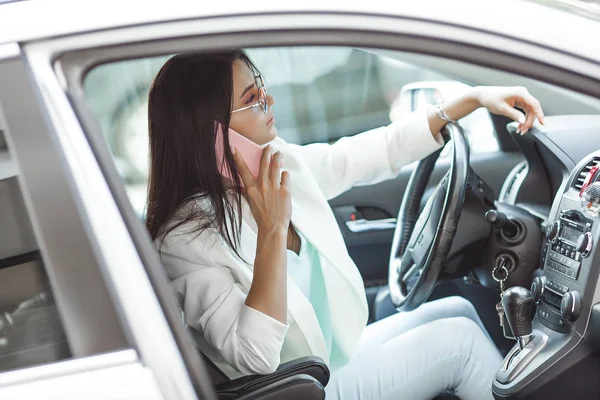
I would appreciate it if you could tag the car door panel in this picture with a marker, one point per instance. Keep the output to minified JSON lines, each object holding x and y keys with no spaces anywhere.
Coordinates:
{"x":370,"y":249}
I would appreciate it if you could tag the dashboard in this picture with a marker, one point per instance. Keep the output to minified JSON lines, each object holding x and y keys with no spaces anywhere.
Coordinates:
{"x":560,"y":165}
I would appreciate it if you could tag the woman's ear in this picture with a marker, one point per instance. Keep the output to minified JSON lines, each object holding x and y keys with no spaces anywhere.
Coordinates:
{"x":221,"y":158}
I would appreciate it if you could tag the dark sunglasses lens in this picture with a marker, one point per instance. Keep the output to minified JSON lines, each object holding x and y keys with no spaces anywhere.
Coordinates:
{"x":262,"y":93}
{"x":263,"y":100}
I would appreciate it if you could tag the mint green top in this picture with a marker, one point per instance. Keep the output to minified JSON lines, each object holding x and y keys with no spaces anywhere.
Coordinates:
{"x":305,"y":270}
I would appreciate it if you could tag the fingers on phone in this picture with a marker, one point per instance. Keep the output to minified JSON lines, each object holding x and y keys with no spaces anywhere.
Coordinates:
{"x":265,"y":161}
{"x":285,"y":180}
{"x":275,"y":168}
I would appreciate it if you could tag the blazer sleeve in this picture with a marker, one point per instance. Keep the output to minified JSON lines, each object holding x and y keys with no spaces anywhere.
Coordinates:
{"x":370,"y":157}
{"x":214,"y":304}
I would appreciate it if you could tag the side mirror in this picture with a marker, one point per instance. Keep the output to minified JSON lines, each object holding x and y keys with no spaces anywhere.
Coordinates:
{"x":417,"y":95}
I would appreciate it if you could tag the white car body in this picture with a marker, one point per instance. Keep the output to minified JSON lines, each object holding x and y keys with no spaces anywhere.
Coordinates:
{"x":41,"y":32}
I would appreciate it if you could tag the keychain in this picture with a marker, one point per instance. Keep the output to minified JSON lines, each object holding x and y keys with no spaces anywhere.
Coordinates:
{"x":501,"y":267}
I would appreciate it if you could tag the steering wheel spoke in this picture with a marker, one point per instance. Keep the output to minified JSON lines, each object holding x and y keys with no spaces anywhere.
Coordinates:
{"x":410,"y":277}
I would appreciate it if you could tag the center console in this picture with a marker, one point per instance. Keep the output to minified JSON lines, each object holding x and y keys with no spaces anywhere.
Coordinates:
{"x":558,"y":292}
{"x":564,"y":294}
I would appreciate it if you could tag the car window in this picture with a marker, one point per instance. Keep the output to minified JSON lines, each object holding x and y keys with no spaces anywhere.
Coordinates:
{"x":322,"y":94}
{"x":31,"y":331}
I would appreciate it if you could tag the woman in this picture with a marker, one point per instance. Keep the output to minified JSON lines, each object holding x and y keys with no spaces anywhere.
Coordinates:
{"x":259,"y":263}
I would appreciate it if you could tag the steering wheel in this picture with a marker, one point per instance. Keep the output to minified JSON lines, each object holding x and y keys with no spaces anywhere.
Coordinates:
{"x":421,"y":245}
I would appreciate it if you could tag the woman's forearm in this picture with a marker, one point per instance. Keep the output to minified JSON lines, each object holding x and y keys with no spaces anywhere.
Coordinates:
{"x":268,"y":292}
{"x":497,"y":100}
{"x":455,"y":109}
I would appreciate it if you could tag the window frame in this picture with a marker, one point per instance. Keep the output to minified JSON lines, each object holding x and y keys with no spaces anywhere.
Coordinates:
{"x":96,"y":226}
{"x":101,"y":351}
{"x":91,"y":323}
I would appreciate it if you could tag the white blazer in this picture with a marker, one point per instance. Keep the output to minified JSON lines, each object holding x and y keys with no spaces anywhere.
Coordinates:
{"x":212,"y":283}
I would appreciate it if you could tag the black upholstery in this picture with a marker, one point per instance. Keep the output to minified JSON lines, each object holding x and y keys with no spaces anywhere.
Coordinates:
{"x":302,"y":368}
{"x":297,"y":387}
{"x":303,"y":378}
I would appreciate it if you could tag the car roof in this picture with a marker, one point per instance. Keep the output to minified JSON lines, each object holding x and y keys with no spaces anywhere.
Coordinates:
{"x":32,"y":20}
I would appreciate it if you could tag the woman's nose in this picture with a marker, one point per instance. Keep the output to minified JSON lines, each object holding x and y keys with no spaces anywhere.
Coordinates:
{"x":270,"y":100}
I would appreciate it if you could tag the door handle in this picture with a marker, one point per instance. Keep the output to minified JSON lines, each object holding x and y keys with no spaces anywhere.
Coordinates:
{"x":366,"y":225}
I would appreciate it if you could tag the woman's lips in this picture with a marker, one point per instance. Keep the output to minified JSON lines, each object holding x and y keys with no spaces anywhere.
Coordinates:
{"x":271,"y":121}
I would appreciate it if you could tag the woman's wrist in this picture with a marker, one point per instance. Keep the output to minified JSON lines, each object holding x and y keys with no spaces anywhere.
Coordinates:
{"x":475,"y":95}
{"x":454,"y":109}
{"x":273,"y":230}
{"x":463,"y":105}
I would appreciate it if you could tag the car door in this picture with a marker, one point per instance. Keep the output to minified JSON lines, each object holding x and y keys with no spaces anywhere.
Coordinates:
{"x":71,"y":325}
{"x":147,"y":41}
{"x":59,"y":326}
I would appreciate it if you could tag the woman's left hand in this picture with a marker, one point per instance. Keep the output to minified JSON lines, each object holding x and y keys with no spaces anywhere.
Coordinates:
{"x":502,"y":100}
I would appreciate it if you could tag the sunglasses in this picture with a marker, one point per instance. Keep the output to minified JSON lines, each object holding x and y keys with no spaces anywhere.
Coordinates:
{"x":262,"y":97}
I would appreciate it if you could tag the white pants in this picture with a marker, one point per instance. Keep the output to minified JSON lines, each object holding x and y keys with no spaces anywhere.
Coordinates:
{"x":441,"y":346}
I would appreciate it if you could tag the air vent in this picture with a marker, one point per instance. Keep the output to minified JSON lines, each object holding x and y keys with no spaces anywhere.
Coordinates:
{"x":578,"y":183}
{"x":513,"y":182}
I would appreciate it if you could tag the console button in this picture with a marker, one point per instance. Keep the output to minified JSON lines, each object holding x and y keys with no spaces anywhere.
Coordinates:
{"x":570,"y":263}
{"x":567,"y":262}
{"x":552,"y":231}
{"x":562,"y":269}
{"x":554,"y":317}
{"x":584,"y":244}
{"x":538,"y":287}
{"x":570,"y":305}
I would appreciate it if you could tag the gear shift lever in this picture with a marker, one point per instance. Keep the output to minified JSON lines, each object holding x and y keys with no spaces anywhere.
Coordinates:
{"x":517,"y":303}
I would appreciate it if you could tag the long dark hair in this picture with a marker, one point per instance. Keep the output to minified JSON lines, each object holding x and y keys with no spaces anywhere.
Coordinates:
{"x":190,"y":93}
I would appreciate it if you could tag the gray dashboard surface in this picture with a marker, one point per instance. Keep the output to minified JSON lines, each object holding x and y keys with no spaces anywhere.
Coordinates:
{"x":576,"y":135}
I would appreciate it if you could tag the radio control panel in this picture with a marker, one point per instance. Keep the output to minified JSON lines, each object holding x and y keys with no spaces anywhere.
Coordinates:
{"x":556,"y":293}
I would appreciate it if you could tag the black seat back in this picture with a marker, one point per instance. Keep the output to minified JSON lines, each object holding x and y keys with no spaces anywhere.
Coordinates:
{"x":305,"y":377}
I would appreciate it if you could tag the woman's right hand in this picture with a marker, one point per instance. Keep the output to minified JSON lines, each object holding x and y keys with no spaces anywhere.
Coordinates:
{"x":269,"y":193}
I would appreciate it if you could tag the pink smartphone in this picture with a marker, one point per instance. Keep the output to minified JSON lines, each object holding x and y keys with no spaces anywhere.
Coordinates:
{"x":250,"y":151}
